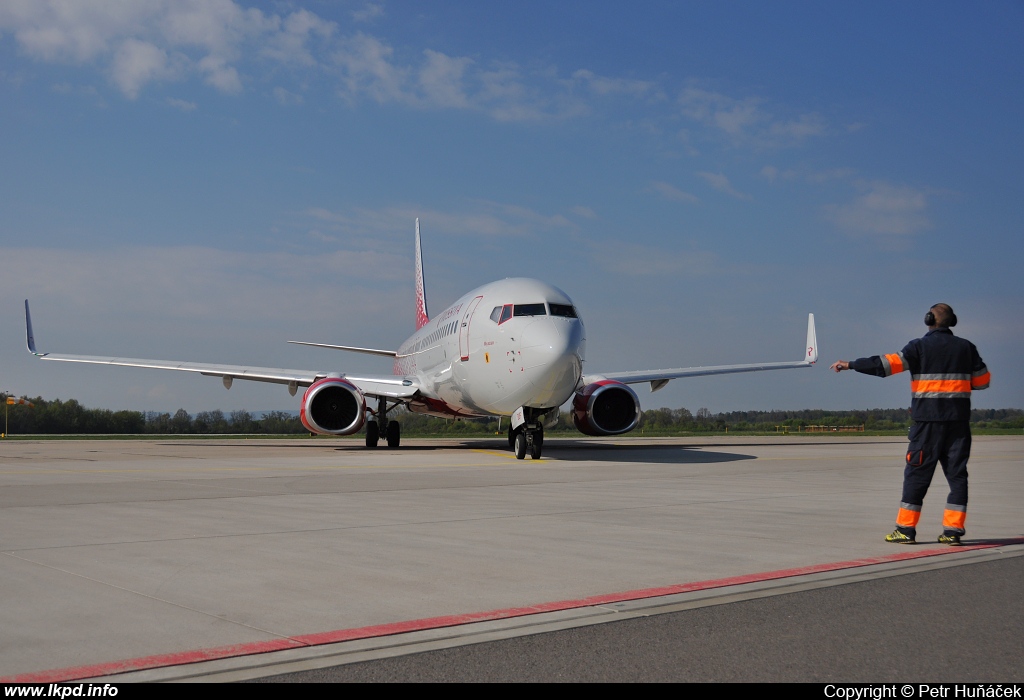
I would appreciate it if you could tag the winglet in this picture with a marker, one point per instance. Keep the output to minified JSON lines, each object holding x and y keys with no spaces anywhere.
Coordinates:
{"x":421,"y":296}
{"x":30,"y":338}
{"x":811,"y":355}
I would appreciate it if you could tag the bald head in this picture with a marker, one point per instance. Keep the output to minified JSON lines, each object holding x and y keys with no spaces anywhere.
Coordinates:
{"x":941,"y":316}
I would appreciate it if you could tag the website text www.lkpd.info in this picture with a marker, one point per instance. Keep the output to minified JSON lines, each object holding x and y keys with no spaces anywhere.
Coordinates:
{"x":61,"y":690}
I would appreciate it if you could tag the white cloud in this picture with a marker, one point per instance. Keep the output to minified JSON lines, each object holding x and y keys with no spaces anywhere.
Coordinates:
{"x":220,"y":75}
{"x":227,"y":44}
{"x":721,"y":183}
{"x":672,"y":192}
{"x":183,"y":105}
{"x":772,"y":173}
{"x":441,"y":79}
{"x":746,"y":120}
{"x":585,"y":212}
{"x":629,"y":258}
{"x":380,"y":228}
{"x":883,"y":209}
{"x":216,"y":26}
{"x":136,"y":63}
{"x":138,"y":280}
{"x":291,"y":43}
{"x":142,"y":41}
{"x":801,"y":127}
{"x":70,"y":31}
{"x":286,"y":97}
{"x":732,"y":116}
{"x":369,"y":67}
{"x":370,"y":12}
{"x":819,"y":176}
{"x":602,"y":85}
{"x":366,"y":67}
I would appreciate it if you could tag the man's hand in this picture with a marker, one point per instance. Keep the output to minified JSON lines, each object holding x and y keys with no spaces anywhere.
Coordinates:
{"x":840,"y":366}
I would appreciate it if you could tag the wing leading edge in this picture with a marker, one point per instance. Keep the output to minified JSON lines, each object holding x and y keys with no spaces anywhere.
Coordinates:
{"x":660,"y":377}
{"x":397,"y":387}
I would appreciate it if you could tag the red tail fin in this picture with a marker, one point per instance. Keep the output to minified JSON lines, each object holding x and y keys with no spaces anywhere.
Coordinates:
{"x":421,"y":296}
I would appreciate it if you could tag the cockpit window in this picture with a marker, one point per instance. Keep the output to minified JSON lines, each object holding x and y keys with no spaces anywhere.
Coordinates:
{"x":500,"y":314}
{"x":565,"y":310}
{"x":530,"y":310}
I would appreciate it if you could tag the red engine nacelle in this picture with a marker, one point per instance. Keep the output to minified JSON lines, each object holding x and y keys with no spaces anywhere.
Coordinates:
{"x":605,"y":408}
{"x":333,"y":406}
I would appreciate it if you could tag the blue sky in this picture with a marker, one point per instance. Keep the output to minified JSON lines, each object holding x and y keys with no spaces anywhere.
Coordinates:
{"x":205,"y":180}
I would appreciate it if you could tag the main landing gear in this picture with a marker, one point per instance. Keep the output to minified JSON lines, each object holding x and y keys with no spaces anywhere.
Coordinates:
{"x":392,"y":433}
{"x":529,"y":437}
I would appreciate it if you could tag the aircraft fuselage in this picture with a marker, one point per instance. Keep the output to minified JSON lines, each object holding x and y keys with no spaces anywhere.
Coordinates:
{"x":511,"y":343}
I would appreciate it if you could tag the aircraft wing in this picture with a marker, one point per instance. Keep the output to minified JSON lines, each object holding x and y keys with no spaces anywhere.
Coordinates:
{"x":660,"y":377}
{"x":392,"y":386}
{"x":349,"y":348}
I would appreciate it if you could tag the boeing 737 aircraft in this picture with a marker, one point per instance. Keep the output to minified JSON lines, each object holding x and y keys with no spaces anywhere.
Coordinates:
{"x":509,"y":348}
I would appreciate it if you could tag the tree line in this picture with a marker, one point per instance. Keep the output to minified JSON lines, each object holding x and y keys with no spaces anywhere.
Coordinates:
{"x":57,"y":417}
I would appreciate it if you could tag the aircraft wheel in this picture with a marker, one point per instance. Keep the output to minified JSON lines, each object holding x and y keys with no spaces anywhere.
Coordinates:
{"x":520,"y":445}
{"x":394,"y":434}
{"x":372,"y":434}
{"x":511,"y":438}
{"x":538,"y":444}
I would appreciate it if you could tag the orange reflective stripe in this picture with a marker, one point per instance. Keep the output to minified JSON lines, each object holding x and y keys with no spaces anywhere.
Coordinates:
{"x":908,"y":518}
{"x":981,"y":381}
{"x":896,"y":363}
{"x":954,"y":519}
{"x":944,"y":386}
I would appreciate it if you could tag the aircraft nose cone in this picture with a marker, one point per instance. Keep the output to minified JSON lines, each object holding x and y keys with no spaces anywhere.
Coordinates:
{"x":552,"y":358}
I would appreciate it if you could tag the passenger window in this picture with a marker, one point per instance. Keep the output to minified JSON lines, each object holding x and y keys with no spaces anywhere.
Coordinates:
{"x":565,"y":310}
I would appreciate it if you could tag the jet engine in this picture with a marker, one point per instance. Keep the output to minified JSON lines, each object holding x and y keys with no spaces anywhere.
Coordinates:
{"x":333,"y":406}
{"x":605,"y":408}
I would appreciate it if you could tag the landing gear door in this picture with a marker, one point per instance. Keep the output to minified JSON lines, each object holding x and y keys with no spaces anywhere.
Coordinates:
{"x":464,"y":328}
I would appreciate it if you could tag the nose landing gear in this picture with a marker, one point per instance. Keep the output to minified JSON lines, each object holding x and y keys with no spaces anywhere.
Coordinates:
{"x":528,"y":437}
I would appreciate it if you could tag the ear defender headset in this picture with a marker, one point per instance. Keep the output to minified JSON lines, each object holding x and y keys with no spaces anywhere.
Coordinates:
{"x":929,"y":318}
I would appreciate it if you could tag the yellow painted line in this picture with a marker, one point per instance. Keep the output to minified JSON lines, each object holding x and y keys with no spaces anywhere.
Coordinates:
{"x":497,"y":453}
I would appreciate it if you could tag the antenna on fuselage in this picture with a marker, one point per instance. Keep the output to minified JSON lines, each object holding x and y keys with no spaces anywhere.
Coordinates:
{"x":422,"y":318}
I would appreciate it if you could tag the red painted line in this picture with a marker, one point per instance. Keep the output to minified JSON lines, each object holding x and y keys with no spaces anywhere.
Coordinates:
{"x":333,"y":637}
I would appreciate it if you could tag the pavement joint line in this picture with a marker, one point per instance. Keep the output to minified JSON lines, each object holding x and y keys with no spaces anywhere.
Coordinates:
{"x":331,"y":467}
{"x":345,"y":528}
{"x":183,"y":665}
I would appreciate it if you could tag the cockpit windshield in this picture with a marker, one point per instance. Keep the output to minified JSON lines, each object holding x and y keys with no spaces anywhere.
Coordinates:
{"x":529,"y":310}
{"x":565,"y":310}
{"x":500,"y":314}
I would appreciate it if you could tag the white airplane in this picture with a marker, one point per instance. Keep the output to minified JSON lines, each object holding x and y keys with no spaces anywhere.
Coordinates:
{"x":510,"y":348}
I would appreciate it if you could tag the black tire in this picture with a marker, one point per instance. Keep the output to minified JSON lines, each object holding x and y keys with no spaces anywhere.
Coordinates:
{"x":372,"y":434}
{"x":511,"y":438}
{"x":538,"y":445}
{"x":520,"y":445}
{"x":394,"y":434}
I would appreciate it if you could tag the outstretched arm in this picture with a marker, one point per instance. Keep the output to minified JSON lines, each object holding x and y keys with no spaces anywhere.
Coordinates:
{"x":877,"y":365}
